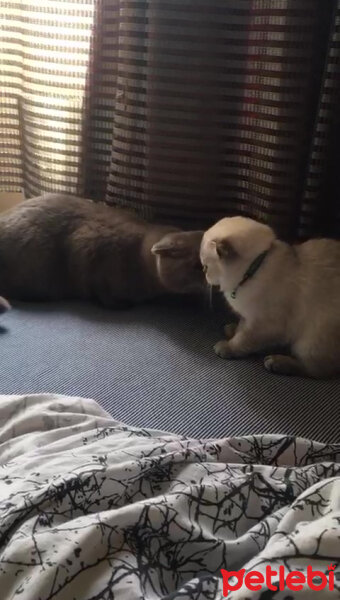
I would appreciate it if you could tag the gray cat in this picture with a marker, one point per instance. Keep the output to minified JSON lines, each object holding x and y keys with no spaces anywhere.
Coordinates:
{"x":61,"y":247}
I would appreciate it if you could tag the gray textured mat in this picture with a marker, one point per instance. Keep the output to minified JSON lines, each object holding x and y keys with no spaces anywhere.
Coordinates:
{"x":154,"y":367}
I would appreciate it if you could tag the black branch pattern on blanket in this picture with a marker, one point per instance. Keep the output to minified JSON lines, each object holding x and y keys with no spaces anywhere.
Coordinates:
{"x":111,"y":512}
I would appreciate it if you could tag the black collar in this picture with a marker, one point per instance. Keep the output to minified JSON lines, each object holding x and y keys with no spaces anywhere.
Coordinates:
{"x":250,"y":272}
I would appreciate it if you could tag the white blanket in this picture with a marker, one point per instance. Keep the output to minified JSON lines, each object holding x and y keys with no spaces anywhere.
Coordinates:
{"x":91,"y":509}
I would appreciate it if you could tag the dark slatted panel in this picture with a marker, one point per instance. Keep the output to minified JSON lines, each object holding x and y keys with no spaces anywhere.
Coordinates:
{"x":320,"y":209}
{"x":211,"y":108}
{"x":101,"y":98}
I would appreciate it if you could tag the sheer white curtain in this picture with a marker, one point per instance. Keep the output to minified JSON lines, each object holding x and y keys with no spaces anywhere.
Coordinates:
{"x":45,"y":49}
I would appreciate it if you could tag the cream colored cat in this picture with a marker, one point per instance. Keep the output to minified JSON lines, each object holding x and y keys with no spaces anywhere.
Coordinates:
{"x":286,"y":296}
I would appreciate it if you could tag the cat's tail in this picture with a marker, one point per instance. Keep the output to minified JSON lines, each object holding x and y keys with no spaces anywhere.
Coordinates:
{"x":4,"y":305}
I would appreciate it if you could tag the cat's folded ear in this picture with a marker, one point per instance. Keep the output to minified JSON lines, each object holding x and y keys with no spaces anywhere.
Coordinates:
{"x":178,"y":244}
{"x":166,"y":248}
{"x":225,"y":249}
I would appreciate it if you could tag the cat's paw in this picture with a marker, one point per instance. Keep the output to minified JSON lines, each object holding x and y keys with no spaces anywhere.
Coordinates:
{"x":230,"y":330}
{"x":270,"y":363}
{"x":223,"y":350}
{"x":283,"y":365}
{"x":4,"y":305}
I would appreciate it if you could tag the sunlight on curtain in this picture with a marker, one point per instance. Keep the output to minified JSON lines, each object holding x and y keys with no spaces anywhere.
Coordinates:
{"x":45,"y":52}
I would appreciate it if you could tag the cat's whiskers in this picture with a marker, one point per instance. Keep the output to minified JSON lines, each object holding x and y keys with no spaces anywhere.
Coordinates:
{"x":209,"y":293}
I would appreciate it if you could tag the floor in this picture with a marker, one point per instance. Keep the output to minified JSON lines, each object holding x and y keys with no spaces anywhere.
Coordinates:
{"x":154,"y":366}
